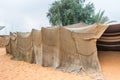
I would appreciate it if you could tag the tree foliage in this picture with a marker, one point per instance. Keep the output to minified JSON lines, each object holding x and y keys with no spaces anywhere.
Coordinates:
{"x":100,"y":18}
{"x":66,"y":12}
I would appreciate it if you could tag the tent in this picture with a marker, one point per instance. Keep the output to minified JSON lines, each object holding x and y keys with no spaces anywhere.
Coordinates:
{"x":25,"y":47}
{"x":64,"y":48}
{"x":12,"y":46}
{"x":36,"y":39}
{"x":50,"y":46}
{"x":110,"y":40}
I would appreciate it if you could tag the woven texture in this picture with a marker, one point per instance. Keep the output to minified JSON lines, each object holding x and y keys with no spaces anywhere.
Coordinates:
{"x":36,"y":38}
{"x":67,"y":49}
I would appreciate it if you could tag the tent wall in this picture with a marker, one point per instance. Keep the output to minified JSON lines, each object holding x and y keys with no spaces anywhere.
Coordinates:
{"x":87,"y":51}
{"x":13,"y":46}
{"x":69,"y":58}
{"x":25,"y":47}
{"x":36,"y":38}
{"x":110,"y":40}
{"x":8,"y":50}
{"x":50,"y":47}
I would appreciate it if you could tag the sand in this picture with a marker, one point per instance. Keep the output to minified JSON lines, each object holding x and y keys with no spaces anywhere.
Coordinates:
{"x":110,"y":63}
{"x":19,"y":70}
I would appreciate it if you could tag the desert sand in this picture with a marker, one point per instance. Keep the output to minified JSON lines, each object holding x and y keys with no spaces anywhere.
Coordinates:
{"x":110,"y":63}
{"x":19,"y":70}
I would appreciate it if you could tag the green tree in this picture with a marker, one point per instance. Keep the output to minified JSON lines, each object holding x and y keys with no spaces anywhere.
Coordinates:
{"x":100,"y":18}
{"x":66,"y":12}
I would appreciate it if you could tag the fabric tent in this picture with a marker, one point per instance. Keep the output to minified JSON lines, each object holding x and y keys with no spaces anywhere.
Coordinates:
{"x":36,"y":38}
{"x":1,"y":27}
{"x":68,"y":49}
{"x":78,"y":50}
{"x":110,"y":40}
{"x":72,"y":50}
{"x":78,"y":25}
{"x":25,"y":47}
{"x":13,"y":45}
{"x":50,"y":47}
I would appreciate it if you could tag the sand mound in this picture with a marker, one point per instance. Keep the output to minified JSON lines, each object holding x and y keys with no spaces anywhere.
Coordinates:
{"x":19,"y":70}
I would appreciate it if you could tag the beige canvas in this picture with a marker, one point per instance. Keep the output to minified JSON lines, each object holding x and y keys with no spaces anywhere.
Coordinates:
{"x":25,"y":47}
{"x":36,"y":38}
{"x":12,"y":46}
{"x":50,"y":47}
{"x":68,"y":49}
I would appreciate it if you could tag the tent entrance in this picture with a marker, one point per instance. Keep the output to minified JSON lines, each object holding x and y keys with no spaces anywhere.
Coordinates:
{"x":110,"y":40}
{"x":109,"y":51}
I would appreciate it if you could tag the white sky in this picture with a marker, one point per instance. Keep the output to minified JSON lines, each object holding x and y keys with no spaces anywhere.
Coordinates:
{"x":23,"y":15}
{"x":111,"y":8}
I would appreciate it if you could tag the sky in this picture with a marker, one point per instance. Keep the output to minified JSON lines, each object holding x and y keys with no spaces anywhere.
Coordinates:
{"x":23,"y":15}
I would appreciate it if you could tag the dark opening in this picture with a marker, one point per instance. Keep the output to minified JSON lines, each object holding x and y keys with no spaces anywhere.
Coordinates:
{"x":110,"y":40}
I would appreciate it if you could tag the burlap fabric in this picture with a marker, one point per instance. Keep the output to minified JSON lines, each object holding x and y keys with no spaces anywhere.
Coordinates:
{"x":25,"y":47}
{"x":67,"y":49}
{"x":36,"y":38}
{"x":13,"y":45}
{"x":50,"y":46}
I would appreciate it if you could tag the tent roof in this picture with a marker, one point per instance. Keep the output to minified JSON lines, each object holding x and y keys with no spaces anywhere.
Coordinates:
{"x":113,"y":28}
{"x":78,"y":25}
{"x":1,"y":27}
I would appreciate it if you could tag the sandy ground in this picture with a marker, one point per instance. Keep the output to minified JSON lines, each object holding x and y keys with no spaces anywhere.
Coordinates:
{"x":19,"y":70}
{"x":110,"y":63}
